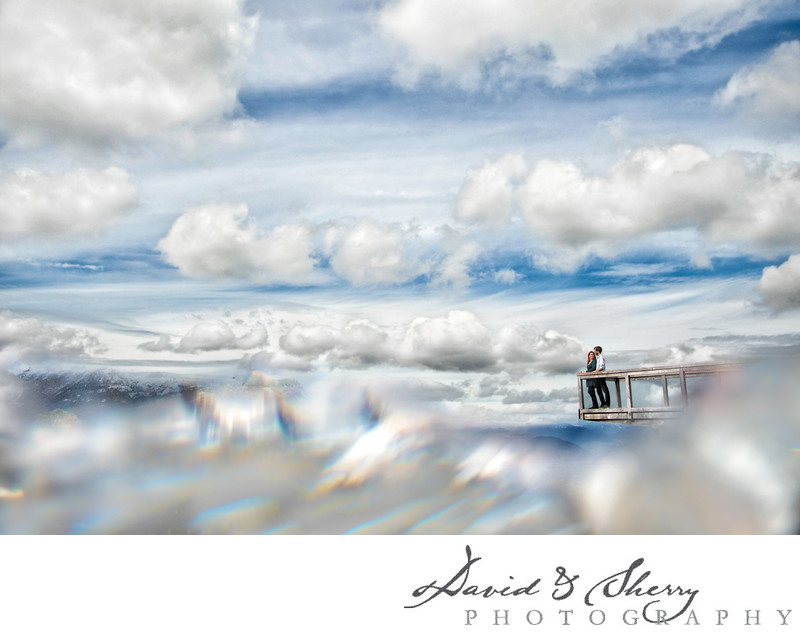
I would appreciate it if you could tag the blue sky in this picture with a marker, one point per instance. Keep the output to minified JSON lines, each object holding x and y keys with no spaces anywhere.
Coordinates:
{"x":466,"y":193}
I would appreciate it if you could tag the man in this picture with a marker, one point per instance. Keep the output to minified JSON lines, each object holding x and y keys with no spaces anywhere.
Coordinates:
{"x":605,"y":396}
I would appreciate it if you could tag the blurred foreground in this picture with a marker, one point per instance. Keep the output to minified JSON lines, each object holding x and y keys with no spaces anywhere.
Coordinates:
{"x":159,"y":456}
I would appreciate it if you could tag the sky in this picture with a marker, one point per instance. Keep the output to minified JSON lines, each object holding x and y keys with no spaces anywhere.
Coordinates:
{"x":466,"y":196}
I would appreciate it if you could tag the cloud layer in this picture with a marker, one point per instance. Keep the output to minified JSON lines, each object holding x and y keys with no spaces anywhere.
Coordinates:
{"x":102,"y":71}
{"x":458,"y":341}
{"x":36,"y":204}
{"x":457,"y":39}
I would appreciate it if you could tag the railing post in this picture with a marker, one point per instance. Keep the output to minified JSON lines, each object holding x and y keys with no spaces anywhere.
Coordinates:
{"x":629,"y":396}
{"x":580,"y":397}
{"x":666,"y":391}
{"x":684,"y":390}
{"x":619,"y":395}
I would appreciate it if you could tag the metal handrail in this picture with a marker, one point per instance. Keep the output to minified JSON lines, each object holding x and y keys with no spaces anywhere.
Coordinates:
{"x":628,"y":413}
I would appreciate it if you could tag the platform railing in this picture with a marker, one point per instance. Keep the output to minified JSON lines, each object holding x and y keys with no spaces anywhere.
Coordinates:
{"x":647,"y":394}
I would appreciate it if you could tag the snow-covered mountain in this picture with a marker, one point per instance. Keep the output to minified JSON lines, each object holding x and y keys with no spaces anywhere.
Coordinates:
{"x":103,"y":387}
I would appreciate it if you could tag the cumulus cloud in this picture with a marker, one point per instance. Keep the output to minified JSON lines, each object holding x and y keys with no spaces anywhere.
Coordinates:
{"x":519,"y":344}
{"x":27,"y":338}
{"x":371,"y":253}
{"x":362,"y":344}
{"x":309,"y":341}
{"x":358,"y":344}
{"x":780,"y":285}
{"x":457,"y":40}
{"x":218,"y":241}
{"x":38,"y":204}
{"x":767,"y":90}
{"x":750,"y":200}
{"x":222,"y":242}
{"x":102,"y":71}
{"x":210,"y":337}
{"x":487,"y":195}
{"x":458,"y":341}
{"x":207,"y":337}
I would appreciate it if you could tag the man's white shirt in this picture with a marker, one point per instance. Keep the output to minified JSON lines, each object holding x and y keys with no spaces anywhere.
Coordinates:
{"x":601,"y":363}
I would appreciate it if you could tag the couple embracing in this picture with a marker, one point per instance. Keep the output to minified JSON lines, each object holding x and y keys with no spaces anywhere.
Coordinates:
{"x":595,"y":363}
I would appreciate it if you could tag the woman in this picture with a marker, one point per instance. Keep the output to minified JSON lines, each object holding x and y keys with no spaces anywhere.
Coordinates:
{"x":592,"y":384}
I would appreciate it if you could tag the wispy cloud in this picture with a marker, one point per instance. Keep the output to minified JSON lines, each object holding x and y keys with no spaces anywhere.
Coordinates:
{"x":561,"y":42}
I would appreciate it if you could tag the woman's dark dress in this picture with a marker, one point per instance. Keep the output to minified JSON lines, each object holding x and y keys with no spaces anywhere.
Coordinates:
{"x":592,"y":384}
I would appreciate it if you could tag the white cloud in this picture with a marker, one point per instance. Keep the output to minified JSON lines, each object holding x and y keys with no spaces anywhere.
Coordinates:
{"x":487,"y":195}
{"x":36,"y":204}
{"x":100,"y":71}
{"x":27,"y":339}
{"x":555,"y":39}
{"x":732,"y":198}
{"x":357,"y":344}
{"x":218,"y":336}
{"x":454,"y":269}
{"x":638,"y":270}
{"x":218,"y":241}
{"x":372,"y":253}
{"x":309,"y":341}
{"x":506,"y":276}
{"x":780,"y":285}
{"x":210,"y":337}
{"x":458,"y":341}
{"x":683,"y":354}
{"x":162,"y":344}
{"x":362,"y":344}
{"x":221,"y":242}
{"x":520,"y":345}
{"x":768,"y":90}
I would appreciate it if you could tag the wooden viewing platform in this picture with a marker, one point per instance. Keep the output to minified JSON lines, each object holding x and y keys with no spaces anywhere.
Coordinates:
{"x":649,"y":395}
